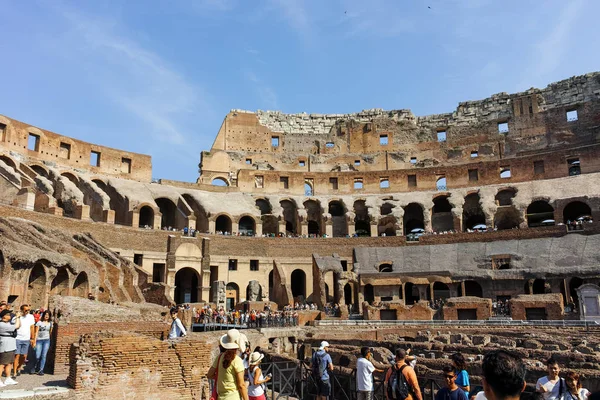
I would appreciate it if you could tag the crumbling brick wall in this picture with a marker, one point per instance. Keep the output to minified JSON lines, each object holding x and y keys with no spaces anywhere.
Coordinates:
{"x":551,"y":302}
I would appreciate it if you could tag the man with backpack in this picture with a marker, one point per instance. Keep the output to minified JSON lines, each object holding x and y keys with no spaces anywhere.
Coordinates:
{"x":321,"y":363}
{"x":401,"y":380}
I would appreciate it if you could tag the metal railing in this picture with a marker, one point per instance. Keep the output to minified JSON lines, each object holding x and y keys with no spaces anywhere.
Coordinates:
{"x":491,"y":322}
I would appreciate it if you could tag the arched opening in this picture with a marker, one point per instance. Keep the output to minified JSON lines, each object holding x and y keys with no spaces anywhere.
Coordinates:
{"x":413,"y":219}
{"x":314,"y":217}
{"x":246,"y":226}
{"x":298,"y":280}
{"x":576,"y":212}
{"x":290,"y":216}
{"x":411,"y":293}
{"x":264,"y":206}
{"x":70,"y":177}
{"x":440,"y":184}
{"x":39,"y":170}
{"x":440,"y":290}
{"x":232,"y":295}
{"x":219,"y":182}
{"x":507,"y":218}
{"x":574,"y":283}
{"x":270,"y":224}
{"x":60,"y":283}
{"x":338,"y":218}
{"x":387,"y":225}
{"x":504,"y":197}
{"x":199,"y":212}
{"x":308,"y":189}
{"x":539,"y":286}
{"x":168,"y":209}
{"x":386,"y":267}
{"x":386,"y":208}
{"x":362,"y":226}
{"x":540,"y":213}
{"x":473,"y":288}
{"x":473,"y":215}
{"x":8,"y":161}
{"x":186,"y":286}
{"x":81,"y":287}
{"x":223,"y":224}
{"x":146,"y":217}
{"x":369,"y":293}
{"x":348,"y":294}
{"x":271,"y":286}
{"x":442,"y":219}
{"x":36,"y":288}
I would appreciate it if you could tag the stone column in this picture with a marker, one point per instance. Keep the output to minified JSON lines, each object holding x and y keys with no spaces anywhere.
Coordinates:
{"x":454,"y":289}
{"x":108,"y":216}
{"x":281,"y":228}
{"x":157,"y":221}
{"x":351,"y":229}
{"x":211,"y":226}
{"x":462,"y":288}
{"x":423,"y":289}
{"x":304,"y":228}
{"x":258,"y":229}
{"x":134,"y":217}
{"x":373,"y":229}
{"x":82,"y":212}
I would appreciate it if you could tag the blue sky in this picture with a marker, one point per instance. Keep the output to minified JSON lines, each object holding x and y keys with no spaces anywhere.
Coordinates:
{"x":158,"y":77}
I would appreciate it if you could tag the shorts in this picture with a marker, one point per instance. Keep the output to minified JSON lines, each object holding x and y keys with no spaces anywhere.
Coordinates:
{"x":364,"y":395}
{"x":22,"y":347}
{"x":7,"y":357}
{"x":324,"y":388}
{"x":261,"y":397}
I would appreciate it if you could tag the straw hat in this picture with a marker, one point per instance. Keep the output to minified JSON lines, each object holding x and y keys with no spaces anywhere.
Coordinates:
{"x":230,"y":339}
{"x":255,"y":358}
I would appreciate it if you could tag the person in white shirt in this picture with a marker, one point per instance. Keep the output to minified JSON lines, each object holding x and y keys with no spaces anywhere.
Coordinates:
{"x":364,"y":374}
{"x":552,"y":387}
{"x":177,"y":329}
{"x":574,"y":390}
{"x":25,"y":338}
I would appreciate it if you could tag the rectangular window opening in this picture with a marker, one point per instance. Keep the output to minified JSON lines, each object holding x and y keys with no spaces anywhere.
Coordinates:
{"x":95,"y":158}
{"x":33,"y":143}
{"x":158,"y":273}
{"x":574,"y":166}
{"x":474,"y":154}
{"x":253,"y":265}
{"x":412,"y":181}
{"x":501,"y":261}
{"x":232,"y":264}
{"x":413,"y":160}
{"x":302,"y":163}
{"x":358,"y":183}
{"x":384,"y":183}
{"x":126,"y":165}
{"x":502,"y":127}
{"x":356,"y":162}
{"x":285,"y":182}
{"x":64,"y":151}
{"x":441,"y":136}
{"x":505,"y":172}
{"x":138,"y":259}
{"x":2,"y":133}
{"x":275,"y":141}
{"x":572,"y":115}
{"x":473,"y":175}
{"x":259,"y":181}
{"x":383,"y":140}
{"x":334,"y":183}
{"x":329,"y":145}
{"x":538,"y":167}
{"x":344,"y":265}
{"x":248,"y":161}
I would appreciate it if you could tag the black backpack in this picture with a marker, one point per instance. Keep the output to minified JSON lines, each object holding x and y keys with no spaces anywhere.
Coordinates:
{"x":398,"y":388}
{"x":318,"y":365}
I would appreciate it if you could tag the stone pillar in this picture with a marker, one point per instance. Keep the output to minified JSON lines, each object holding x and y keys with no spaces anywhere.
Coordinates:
{"x":457,"y":219}
{"x":108,"y":216}
{"x":82,"y":212}
{"x":462,"y":288}
{"x":134,"y":218}
{"x":454,"y":289}
{"x":281,"y":227}
{"x":373,"y":229}
{"x":211,"y":226}
{"x":258,"y":229}
{"x":304,"y":228}
{"x":329,"y":229}
{"x":26,"y":198}
{"x":403,"y":291}
{"x":219,"y":295}
{"x":423,"y":289}
{"x":351,"y":229}
{"x":157,"y":221}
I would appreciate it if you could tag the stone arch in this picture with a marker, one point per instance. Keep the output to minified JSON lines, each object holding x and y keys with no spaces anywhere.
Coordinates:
{"x":439,"y":291}
{"x":290,"y":216}
{"x":71,"y":177}
{"x":270,"y":223}
{"x":539,"y":286}
{"x":337,"y":209}
{"x":36,"y":287}
{"x":575,"y":210}
{"x":146,"y":217}
{"x":199,"y":212}
{"x":362,"y":225}
{"x":540,"y":213}
{"x":264,"y":206}
{"x":348,"y":297}
{"x":298,"y":283}
{"x":386,"y":267}
{"x":473,"y":214}
{"x":247,"y":226}
{"x":219,"y":181}
{"x":369,"y":293}
{"x":411,"y":293}
{"x":186,"y":285}
{"x":232,"y":295}
{"x":504,"y":197}
{"x":9,"y":161}
{"x":271,"y":285}
{"x":441,"y":214}
{"x":413,"y":218}
{"x":314,"y":217}
{"x":473,"y":288}
{"x":223,"y":223}
{"x":81,"y":287}
{"x":60,"y":283}
{"x":40,"y":170}
{"x":168,"y":209}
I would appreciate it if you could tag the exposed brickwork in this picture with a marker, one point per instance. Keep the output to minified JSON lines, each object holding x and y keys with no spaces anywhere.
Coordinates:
{"x":551,"y":303}
{"x":481,"y":307}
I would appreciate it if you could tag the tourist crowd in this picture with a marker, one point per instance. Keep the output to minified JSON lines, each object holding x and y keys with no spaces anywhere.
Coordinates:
{"x":500,"y":308}
{"x":250,"y":318}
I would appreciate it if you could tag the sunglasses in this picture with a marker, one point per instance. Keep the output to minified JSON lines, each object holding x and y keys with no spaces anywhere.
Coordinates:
{"x":449,"y":376}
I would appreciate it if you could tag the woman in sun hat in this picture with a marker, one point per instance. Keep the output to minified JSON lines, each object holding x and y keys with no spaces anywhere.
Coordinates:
{"x":228,"y":369}
{"x":256,"y":390}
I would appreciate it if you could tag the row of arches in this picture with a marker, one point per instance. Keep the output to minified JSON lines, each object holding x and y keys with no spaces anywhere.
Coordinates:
{"x":409,"y":291}
{"x":38,"y":285}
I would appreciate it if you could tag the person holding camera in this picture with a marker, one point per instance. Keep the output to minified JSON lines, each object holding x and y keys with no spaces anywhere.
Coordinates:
{"x":8,"y":344}
{"x":256,"y":389}
{"x":364,"y":374}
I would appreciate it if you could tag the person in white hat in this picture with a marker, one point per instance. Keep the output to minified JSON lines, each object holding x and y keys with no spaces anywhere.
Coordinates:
{"x":228,"y":369}
{"x":256,"y":389}
{"x":321,"y":364}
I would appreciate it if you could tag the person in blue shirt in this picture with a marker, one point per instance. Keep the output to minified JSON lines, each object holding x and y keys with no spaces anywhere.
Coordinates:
{"x":462,"y":376}
{"x":451,"y":391}
{"x":322,"y":364}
